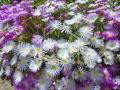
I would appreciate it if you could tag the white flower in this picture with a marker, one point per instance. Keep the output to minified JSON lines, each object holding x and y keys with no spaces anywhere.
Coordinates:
{"x":48,"y":44}
{"x":37,"y":52}
{"x":113,"y":45}
{"x":1,"y":71}
{"x":71,"y":13}
{"x":37,"y":12}
{"x":24,"y":49}
{"x":79,"y":74}
{"x":7,"y":70}
{"x":63,"y":54}
{"x":8,"y":47}
{"x":13,"y":60}
{"x":43,"y":83}
{"x":53,"y":70}
{"x":96,"y":75}
{"x":86,"y":32}
{"x":109,"y":58}
{"x":66,"y":84}
{"x":62,"y":44}
{"x":50,"y":9}
{"x":72,"y":48}
{"x":76,"y":19}
{"x":23,"y":64}
{"x":55,"y":24}
{"x":35,"y":65}
{"x":1,"y":55}
{"x":65,"y":28}
{"x":76,"y":45}
{"x":65,"y":58}
{"x":91,"y":17}
{"x":52,"y":66}
{"x":81,"y":1}
{"x":17,"y":76}
{"x":97,"y":42}
{"x":90,"y":57}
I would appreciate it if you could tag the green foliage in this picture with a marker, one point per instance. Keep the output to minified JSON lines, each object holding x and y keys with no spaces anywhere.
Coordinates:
{"x":38,"y":2}
{"x":5,"y":2}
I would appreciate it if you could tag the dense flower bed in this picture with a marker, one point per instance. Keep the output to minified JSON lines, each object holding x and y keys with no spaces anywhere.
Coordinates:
{"x":61,"y":44}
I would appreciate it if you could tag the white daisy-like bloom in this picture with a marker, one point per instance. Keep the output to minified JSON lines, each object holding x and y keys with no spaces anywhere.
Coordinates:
{"x":65,"y":28}
{"x":97,"y":42}
{"x":8,"y":47}
{"x":81,"y":1}
{"x":37,"y":52}
{"x":13,"y":60}
{"x":37,"y":12}
{"x":56,"y":24}
{"x":1,"y":55}
{"x":109,"y":58}
{"x":90,"y":56}
{"x":23,"y":64}
{"x":113,"y":45}
{"x":74,"y":7}
{"x":76,"y":19}
{"x":67,"y":84}
{"x":24,"y":49}
{"x":43,"y":83}
{"x":65,"y":59}
{"x":72,"y":48}
{"x":79,"y":74}
{"x":1,"y":71}
{"x":91,"y":17}
{"x":62,"y":44}
{"x":60,"y":4}
{"x":52,"y":70}
{"x":7,"y":70}
{"x":69,"y":22}
{"x":48,"y":44}
{"x":71,"y":13}
{"x":76,"y":45}
{"x":35,"y":65}
{"x":63,"y":54}
{"x":50,"y":9}
{"x":96,"y":75}
{"x":17,"y":77}
{"x":86,"y":32}
{"x":117,"y":80}
{"x":52,"y":66}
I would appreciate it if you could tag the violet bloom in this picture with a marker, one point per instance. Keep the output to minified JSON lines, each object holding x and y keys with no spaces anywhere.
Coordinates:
{"x":116,"y":25}
{"x":109,"y":35}
{"x":109,"y":85}
{"x":114,"y":69}
{"x":37,"y":39}
{"x":27,"y":83}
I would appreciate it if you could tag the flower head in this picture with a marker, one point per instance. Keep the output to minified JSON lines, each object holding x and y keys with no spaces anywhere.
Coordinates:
{"x":35,"y":65}
{"x":24,"y":49}
{"x":48,"y":44}
{"x":8,"y":46}
{"x":37,"y":39}
{"x":17,"y":77}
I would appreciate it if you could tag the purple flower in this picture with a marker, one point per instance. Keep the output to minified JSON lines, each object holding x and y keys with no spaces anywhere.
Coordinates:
{"x":109,"y":35}
{"x":37,"y":39}
{"x":28,"y":82}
